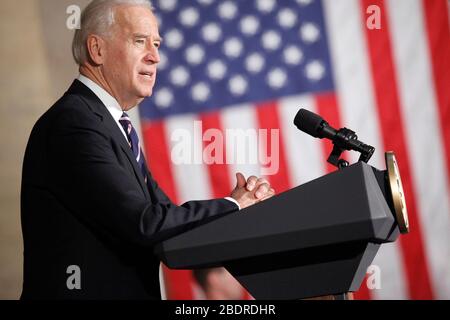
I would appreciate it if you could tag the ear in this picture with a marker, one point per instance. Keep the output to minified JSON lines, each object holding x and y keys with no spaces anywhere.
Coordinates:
{"x":96,"y":49}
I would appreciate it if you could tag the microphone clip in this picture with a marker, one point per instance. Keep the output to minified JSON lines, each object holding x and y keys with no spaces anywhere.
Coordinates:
{"x":346,"y":139}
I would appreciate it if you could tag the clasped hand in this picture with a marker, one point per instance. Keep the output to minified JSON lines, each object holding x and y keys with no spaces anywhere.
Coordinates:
{"x":251,"y":191}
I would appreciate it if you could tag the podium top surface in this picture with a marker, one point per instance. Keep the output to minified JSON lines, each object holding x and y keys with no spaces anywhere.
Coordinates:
{"x":344,"y":206}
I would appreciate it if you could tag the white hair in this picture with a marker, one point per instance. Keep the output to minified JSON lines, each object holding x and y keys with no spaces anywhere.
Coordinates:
{"x":98,"y":18}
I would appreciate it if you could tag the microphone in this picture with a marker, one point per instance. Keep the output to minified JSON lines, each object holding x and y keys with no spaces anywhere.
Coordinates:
{"x":314,"y":125}
{"x":343,"y":139}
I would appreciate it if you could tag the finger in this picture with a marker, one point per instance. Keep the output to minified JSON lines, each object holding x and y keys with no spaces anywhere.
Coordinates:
{"x":262,"y":190}
{"x":261,"y":181}
{"x":268,"y":195}
{"x":240,"y":180}
{"x":251,"y":183}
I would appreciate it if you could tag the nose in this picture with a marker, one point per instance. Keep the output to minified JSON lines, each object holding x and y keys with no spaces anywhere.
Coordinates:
{"x":152,"y":55}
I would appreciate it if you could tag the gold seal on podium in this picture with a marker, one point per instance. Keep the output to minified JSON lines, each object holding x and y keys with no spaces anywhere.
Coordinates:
{"x":398,"y":196}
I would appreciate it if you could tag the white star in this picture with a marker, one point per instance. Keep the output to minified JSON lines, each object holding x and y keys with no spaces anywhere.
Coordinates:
{"x":238,"y":85}
{"x":276,"y":78}
{"x":233,"y":47}
{"x":304,"y":2}
{"x":265,"y":6}
{"x":200,"y":92}
{"x":195,"y":54}
{"x":189,"y":17}
{"x":163,"y":98}
{"x":205,"y":2}
{"x":162,"y":60}
{"x":249,"y":25}
{"x":211,"y":32}
{"x":255,"y":62}
{"x":167,"y":5}
{"x":309,"y":32}
{"x":315,"y":70}
{"x":271,"y":40}
{"x":174,"y":39}
{"x":179,"y":76}
{"x":217,"y":70}
{"x":227,"y":10}
{"x":292,"y":55}
{"x":287,"y":18}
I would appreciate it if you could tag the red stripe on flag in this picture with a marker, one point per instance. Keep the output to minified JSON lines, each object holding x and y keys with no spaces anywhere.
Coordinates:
{"x":437,"y":25}
{"x":388,"y":103}
{"x":363,"y":293}
{"x":328,"y":108}
{"x":177,"y":282}
{"x":268,"y":118}
{"x":218,"y":172}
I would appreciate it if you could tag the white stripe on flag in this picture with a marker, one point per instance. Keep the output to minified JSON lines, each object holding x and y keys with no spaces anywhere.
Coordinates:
{"x":190,"y":178}
{"x":358,"y":110}
{"x":425,"y":145}
{"x":352,"y":75}
{"x":241,"y":120}
{"x":303,"y":153}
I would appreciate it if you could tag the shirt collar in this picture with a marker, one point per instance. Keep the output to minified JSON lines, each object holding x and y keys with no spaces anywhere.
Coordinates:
{"x":109,"y":101}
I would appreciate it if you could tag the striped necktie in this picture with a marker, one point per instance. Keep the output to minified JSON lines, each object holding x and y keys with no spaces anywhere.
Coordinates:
{"x":133,"y":141}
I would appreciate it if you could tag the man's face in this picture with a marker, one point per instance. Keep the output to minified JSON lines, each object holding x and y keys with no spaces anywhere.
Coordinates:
{"x":132,"y":55}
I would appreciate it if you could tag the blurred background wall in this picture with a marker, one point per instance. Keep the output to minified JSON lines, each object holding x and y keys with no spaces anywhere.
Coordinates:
{"x":36,"y":67}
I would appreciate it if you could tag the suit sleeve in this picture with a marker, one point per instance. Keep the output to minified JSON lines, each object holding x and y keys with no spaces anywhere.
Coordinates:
{"x":93,"y":186}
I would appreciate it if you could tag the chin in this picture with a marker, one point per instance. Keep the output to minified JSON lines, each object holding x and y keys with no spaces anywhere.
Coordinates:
{"x":145,"y":91}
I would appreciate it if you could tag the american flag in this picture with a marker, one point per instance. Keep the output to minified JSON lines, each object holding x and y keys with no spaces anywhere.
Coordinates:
{"x":251,"y":64}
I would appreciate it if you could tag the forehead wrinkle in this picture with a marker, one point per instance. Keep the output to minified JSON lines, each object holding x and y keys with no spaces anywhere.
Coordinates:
{"x":129,"y":24}
{"x":122,"y":21}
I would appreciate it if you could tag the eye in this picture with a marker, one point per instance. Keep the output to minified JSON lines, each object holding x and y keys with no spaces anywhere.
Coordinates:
{"x":157,"y":44}
{"x":140,"y":41}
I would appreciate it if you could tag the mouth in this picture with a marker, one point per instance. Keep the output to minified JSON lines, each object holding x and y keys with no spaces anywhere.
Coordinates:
{"x":147,"y":74}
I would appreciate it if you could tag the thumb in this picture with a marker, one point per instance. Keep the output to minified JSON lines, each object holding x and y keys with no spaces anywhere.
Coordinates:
{"x":240,"y":180}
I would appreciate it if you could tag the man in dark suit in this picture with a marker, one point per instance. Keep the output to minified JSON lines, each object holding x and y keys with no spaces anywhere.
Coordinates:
{"x":91,"y":211}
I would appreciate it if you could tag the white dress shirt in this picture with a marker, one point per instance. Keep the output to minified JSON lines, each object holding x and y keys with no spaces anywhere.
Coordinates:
{"x":109,"y":101}
{"x":115,"y":109}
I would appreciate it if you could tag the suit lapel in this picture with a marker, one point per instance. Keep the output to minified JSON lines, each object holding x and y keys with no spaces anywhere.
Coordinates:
{"x":117,"y":135}
{"x":111,"y":126}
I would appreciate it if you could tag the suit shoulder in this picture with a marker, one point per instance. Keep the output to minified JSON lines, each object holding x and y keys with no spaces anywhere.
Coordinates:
{"x":70,"y":109}
{"x":70,"y":112}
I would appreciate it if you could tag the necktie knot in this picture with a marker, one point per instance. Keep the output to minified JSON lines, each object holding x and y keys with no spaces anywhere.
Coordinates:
{"x":126,"y":124}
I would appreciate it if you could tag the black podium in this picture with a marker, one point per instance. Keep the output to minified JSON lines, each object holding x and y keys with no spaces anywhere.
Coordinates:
{"x":314,"y":240}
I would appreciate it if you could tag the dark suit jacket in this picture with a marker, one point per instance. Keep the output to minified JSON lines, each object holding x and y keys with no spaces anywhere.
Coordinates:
{"x":84,"y":202}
